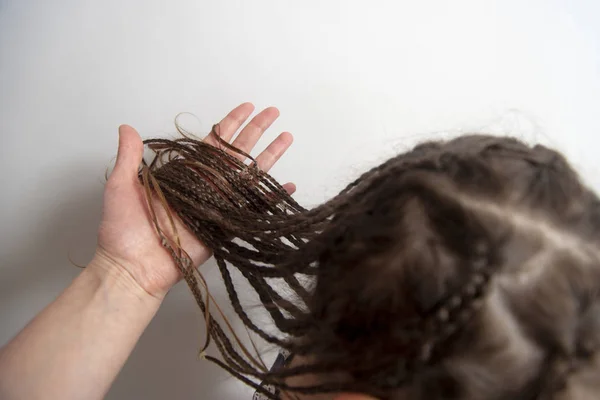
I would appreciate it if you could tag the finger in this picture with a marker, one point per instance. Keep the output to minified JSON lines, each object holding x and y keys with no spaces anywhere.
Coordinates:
{"x":274,"y":151}
{"x":248,"y":137}
{"x":290,"y":188}
{"x":129,"y":154}
{"x":232,"y":122}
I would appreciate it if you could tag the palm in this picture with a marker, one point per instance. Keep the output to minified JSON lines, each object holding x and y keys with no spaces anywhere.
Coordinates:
{"x":127,"y":235}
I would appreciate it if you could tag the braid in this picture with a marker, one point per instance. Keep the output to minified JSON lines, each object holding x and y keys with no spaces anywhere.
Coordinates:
{"x":479,"y":251}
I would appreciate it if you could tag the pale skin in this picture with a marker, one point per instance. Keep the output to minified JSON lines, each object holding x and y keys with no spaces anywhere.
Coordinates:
{"x":76,"y":346}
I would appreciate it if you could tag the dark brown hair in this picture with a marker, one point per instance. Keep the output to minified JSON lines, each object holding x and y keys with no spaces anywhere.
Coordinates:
{"x":465,"y":269}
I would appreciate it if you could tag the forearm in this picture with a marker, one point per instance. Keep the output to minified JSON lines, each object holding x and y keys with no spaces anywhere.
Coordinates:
{"x":76,"y":346}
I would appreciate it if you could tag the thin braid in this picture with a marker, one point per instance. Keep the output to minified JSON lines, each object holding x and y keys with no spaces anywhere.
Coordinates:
{"x":238,"y":307}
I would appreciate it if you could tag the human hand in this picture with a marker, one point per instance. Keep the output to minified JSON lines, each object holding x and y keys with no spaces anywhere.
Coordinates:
{"x":127,"y":237}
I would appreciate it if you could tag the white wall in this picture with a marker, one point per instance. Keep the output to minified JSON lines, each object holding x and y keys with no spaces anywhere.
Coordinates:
{"x":356,"y":81}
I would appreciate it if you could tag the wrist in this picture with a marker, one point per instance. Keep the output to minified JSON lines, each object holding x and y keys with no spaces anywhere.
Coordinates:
{"x":116,"y":276}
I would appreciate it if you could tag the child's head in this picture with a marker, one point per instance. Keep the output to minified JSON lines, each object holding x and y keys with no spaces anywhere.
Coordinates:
{"x":465,"y":269}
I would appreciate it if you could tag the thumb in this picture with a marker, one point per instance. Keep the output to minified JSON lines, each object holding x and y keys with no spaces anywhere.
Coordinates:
{"x":130,"y":153}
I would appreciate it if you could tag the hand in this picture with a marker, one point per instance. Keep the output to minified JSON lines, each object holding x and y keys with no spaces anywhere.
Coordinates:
{"x":127,"y":239}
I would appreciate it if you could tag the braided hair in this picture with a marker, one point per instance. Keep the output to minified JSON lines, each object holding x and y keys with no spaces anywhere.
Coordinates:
{"x":464,"y":269}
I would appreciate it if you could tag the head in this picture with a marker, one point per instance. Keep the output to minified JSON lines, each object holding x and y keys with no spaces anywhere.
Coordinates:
{"x":466,"y":269}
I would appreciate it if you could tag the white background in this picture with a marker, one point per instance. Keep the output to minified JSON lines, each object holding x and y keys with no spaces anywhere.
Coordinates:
{"x":356,"y":81}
